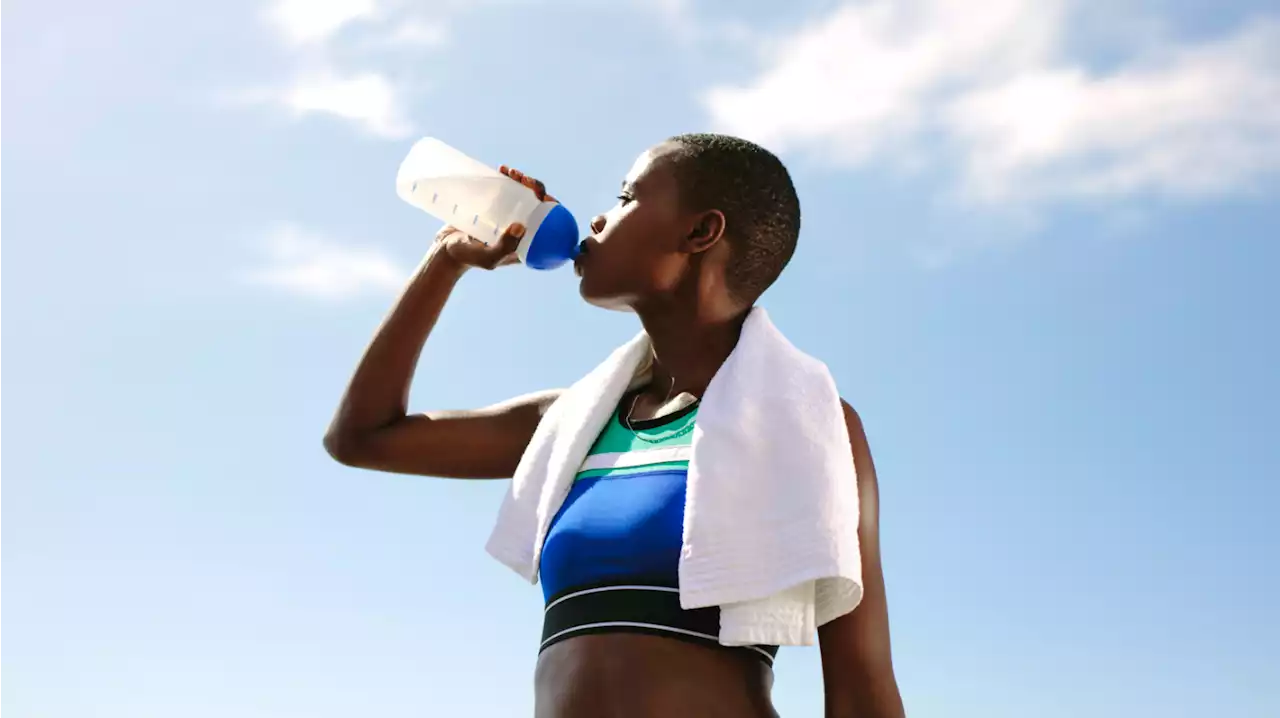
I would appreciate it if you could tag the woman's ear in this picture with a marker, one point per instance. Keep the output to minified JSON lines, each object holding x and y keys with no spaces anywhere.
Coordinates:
{"x":708,"y":229}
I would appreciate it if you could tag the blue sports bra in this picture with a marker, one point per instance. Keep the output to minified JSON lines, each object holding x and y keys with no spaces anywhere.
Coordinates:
{"x":611,"y":556}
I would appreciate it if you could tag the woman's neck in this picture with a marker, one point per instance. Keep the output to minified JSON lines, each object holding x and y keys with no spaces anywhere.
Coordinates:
{"x":688,"y":349}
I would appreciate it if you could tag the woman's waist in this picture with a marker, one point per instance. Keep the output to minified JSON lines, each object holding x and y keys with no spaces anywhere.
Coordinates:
{"x":639,"y":675}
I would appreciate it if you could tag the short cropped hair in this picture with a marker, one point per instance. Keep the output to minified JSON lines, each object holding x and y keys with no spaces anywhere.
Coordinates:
{"x":753,"y":189}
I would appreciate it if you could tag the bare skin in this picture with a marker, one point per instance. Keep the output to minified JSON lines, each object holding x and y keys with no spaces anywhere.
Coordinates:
{"x":666,"y":263}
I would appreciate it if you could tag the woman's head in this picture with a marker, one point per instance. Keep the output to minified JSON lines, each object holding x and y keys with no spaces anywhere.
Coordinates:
{"x":700,"y":218}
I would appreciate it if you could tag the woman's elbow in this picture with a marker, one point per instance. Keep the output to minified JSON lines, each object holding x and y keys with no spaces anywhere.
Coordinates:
{"x":342,"y":447}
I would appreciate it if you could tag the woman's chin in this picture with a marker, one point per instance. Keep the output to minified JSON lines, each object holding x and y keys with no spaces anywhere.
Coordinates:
{"x":604,"y":301}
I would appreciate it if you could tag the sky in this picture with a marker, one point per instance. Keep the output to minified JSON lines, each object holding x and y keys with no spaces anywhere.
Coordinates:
{"x":1038,"y":255}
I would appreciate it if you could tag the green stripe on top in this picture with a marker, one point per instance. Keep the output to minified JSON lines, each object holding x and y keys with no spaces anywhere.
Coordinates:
{"x":621,"y":451}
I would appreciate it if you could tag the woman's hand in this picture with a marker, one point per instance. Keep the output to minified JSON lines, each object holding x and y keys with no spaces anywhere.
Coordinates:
{"x":471,"y":252}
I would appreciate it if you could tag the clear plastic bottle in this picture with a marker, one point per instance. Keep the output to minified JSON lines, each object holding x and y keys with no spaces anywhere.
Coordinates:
{"x":482,"y":202}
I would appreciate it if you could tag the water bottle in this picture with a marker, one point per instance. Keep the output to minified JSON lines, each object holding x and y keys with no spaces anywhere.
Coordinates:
{"x":482,"y":202}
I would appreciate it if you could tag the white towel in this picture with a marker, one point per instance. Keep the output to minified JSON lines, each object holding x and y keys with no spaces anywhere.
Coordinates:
{"x":771,"y":514}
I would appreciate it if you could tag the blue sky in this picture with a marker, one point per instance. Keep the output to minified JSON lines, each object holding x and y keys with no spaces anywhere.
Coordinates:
{"x":1038,"y":254}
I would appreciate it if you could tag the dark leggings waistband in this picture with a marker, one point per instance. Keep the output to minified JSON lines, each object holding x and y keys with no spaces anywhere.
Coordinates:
{"x":633,"y":608}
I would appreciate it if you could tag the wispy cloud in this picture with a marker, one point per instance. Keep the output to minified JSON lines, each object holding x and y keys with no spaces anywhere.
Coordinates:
{"x":673,"y":10}
{"x":862,"y":80}
{"x":310,"y":265}
{"x":301,"y":22}
{"x":416,"y":33}
{"x":332,"y":46}
{"x":337,"y":51}
{"x":369,"y":99}
{"x":1199,"y":120}
{"x":987,"y":90}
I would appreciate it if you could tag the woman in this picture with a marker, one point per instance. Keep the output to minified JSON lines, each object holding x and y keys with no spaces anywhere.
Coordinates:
{"x":704,"y":224}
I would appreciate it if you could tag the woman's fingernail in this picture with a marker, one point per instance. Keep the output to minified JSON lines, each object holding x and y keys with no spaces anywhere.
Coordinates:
{"x":517,"y":230}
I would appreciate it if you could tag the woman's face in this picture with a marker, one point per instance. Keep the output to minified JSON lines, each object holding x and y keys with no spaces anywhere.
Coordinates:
{"x":634,"y":251}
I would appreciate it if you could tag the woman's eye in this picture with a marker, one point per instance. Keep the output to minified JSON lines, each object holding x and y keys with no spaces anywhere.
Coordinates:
{"x":624,"y":199}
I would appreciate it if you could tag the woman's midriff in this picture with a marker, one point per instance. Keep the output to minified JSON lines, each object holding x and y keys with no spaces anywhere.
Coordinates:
{"x":624,"y":675}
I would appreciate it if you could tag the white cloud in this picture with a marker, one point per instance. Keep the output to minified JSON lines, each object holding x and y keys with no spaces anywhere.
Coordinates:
{"x":419,"y":33}
{"x":331,"y":44}
{"x":862,"y":80}
{"x":1196,"y":121}
{"x":986,"y":84}
{"x":676,"y":14}
{"x":313,"y":266}
{"x":370,"y":100}
{"x":309,"y":21}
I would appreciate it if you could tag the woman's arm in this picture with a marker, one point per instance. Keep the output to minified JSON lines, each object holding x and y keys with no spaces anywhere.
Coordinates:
{"x":857,"y":668}
{"x":372,"y":428}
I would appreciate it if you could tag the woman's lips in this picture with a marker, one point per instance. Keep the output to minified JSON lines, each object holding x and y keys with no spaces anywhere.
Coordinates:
{"x":583,"y":249}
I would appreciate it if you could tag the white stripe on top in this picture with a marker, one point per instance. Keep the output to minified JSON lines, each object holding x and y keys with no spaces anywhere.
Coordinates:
{"x":600,"y":589}
{"x":644,"y":457}
{"x":652,"y":626}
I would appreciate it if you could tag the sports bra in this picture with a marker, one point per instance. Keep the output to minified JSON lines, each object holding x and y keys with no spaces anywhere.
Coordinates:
{"x":611,"y":556}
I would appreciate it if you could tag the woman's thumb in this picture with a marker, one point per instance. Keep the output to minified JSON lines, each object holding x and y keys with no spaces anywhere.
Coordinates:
{"x":510,"y":239}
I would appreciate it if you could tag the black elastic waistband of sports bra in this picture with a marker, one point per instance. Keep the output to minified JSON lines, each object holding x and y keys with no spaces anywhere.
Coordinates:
{"x":629,"y":608}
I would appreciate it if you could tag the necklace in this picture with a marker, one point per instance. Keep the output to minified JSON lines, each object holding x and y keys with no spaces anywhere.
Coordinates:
{"x":626,"y":420}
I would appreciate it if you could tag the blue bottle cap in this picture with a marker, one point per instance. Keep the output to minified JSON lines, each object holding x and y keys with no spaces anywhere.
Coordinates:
{"x":554,"y":240}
